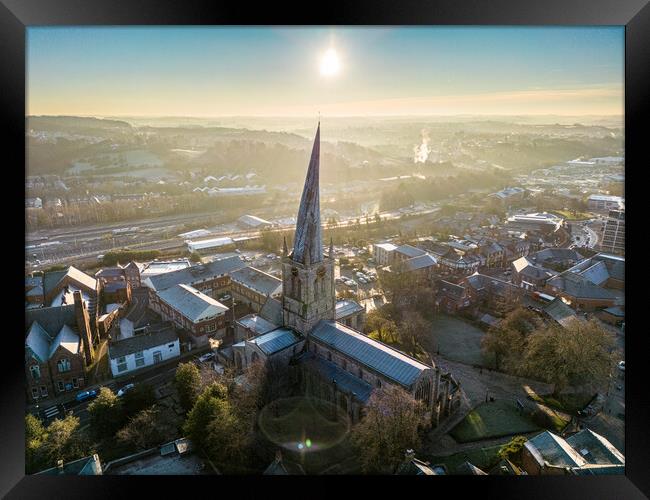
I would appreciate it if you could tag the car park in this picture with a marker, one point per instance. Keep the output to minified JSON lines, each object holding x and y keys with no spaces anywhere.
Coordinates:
{"x":125,"y":389}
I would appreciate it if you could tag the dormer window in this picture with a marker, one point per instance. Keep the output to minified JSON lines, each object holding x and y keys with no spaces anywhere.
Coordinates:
{"x":63,"y":365}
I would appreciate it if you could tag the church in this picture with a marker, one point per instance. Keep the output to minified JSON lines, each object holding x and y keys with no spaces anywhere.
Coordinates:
{"x":308,"y":328}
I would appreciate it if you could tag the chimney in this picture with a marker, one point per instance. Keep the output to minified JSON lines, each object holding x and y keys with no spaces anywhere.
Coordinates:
{"x":83,"y":326}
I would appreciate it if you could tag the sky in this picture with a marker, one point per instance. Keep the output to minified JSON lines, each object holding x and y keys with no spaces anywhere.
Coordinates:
{"x":229,"y":71}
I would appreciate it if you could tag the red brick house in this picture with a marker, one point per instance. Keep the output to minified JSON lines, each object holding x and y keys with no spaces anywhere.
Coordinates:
{"x":58,"y":347}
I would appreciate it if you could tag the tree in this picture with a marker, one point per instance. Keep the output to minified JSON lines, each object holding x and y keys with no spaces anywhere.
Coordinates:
{"x":385,"y":330}
{"x":391,"y":424}
{"x":137,"y":399}
{"x":35,"y":435}
{"x":215,"y":428}
{"x":413,"y":331}
{"x":579,"y":353}
{"x":188,"y":383}
{"x":63,"y":441}
{"x":106,"y":413}
{"x":146,"y":429}
{"x":507,"y":340}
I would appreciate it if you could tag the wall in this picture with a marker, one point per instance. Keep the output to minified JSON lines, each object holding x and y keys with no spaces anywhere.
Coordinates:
{"x":166,"y":352}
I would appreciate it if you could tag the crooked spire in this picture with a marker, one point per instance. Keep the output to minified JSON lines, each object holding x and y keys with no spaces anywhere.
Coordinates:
{"x":308,"y":245}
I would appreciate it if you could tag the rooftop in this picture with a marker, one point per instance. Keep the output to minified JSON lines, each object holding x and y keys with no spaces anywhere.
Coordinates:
{"x":276,"y":340}
{"x":192,"y":304}
{"x":346,"y":307}
{"x":195,"y":274}
{"x":345,"y":381}
{"x":140,"y":342}
{"x":547,"y":448}
{"x":410,"y":251}
{"x":257,"y":324}
{"x":257,"y":280}
{"x":381,"y":358}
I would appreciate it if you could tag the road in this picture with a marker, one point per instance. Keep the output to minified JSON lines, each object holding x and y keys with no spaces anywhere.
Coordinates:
{"x":89,"y":242}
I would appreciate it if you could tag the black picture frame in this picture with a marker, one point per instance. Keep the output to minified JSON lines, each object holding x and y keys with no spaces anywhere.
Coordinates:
{"x":16,"y":15}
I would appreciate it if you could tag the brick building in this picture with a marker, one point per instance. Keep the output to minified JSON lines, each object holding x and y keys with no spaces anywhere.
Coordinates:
{"x":197,"y":313}
{"x":252,"y":287}
{"x":58,"y":347}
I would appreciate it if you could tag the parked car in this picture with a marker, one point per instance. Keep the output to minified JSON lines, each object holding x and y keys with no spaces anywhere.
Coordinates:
{"x":86,"y":395}
{"x":125,"y":389}
{"x":621,"y":365}
{"x":206,"y":357}
{"x":362,"y":281}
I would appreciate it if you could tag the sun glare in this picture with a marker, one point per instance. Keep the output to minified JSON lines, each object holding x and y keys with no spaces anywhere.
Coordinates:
{"x":330,"y":65}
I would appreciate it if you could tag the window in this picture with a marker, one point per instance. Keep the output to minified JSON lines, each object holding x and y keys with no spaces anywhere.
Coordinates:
{"x":157,"y":356}
{"x":35,"y":392}
{"x":59,"y":385}
{"x":35,"y":371}
{"x":211,"y":328}
{"x":171,"y":345}
{"x":139,"y":359}
{"x":63,"y":365}
{"x":75,"y":383}
{"x":43,"y":391}
{"x":121,"y":364}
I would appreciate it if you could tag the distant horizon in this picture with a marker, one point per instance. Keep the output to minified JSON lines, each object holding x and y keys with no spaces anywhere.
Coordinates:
{"x":216,"y":72}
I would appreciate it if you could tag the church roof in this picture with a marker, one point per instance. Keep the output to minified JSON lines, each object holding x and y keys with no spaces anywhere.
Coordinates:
{"x":381,"y":358}
{"x":308,"y":240}
{"x":276,"y":340}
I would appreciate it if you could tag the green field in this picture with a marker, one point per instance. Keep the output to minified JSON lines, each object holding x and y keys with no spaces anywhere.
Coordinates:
{"x":459,"y":340}
{"x":492,"y":420}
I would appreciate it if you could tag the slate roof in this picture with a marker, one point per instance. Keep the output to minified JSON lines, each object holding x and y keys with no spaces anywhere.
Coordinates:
{"x":110,"y":272}
{"x":51,"y":319}
{"x":451,"y":289}
{"x":596,"y":273}
{"x":578,"y":286}
{"x":272,"y":311}
{"x":468,"y":468}
{"x":560,"y":312}
{"x":346,"y":307}
{"x":87,"y":466}
{"x":345,"y":381}
{"x":141,"y":342}
{"x":410,"y":251}
{"x":257,"y":280}
{"x":557,"y":254}
{"x":68,"y":339}
{"x":420,"y":262}
{"x":197,"y":273}
{"x":598,"y":449}
{"x":256,"y":323}
{"x":307,"y":238}
{"x":38,"y":341}
{"x":276,"y":340}
{"x":381,"y":358}
{"x":191,"y":303}
{"x":554,"y":450}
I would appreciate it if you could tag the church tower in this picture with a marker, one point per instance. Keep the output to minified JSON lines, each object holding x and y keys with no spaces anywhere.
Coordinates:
{"x":307,"y":274}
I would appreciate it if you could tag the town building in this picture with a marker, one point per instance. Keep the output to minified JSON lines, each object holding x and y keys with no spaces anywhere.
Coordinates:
{"x":509,"y":195}
{"x":210,"y":245}
{"x":528,"y":275}
{"x":613,"y":237}
{"x":130,"y":351}
{"x":451,"y":297}
{"x":253,"y":222}
{"x":383,"y":253}
{"x":86,"y":466}
{"x":592,"y":284}
{"x":197,"y":313}
{"x":33,"y":291}
{"x":350,"y":313}
{"x":582,"y":453}
{"x":158,"y":267}
{"x":252,"y":287}
{"x":492,"y":294}
{"x":540,"y":222}
{"x":604,"y":203}
{"x":58,"y":348}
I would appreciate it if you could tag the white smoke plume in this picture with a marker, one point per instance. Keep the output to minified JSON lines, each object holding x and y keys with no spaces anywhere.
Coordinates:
{"x":421,"y":152}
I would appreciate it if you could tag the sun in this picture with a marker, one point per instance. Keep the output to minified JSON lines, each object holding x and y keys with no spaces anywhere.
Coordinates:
{"x":330,"y":65}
